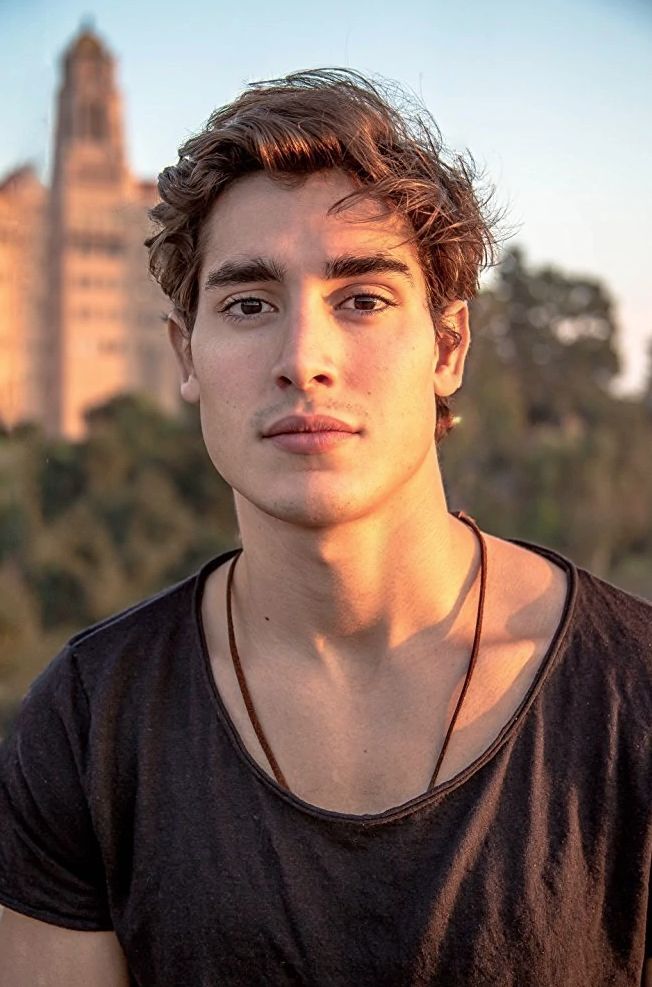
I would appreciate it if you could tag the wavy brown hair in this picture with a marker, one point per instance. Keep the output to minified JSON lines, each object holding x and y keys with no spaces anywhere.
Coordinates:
{"x":331,"y":118}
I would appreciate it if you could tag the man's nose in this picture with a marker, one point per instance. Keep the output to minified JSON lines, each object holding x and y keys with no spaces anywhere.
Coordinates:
{"x":309,"y":347}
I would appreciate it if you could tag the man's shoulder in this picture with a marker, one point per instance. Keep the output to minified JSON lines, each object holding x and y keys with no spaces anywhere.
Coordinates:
{"x":141,"y":640}
{"x":161,"y":609}
{"x":594,"y":605}
{"x":610,"y":613}
{"x":604,"y":633}
{"x":608,"y":655}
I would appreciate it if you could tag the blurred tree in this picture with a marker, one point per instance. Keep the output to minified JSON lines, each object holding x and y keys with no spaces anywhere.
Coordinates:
{"x":89,"y":528}
{"x":545,"y":450}
{"x":557,"y":333}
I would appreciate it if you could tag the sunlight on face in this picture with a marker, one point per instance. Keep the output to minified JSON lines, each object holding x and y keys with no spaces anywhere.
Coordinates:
{"x":302,"y":312}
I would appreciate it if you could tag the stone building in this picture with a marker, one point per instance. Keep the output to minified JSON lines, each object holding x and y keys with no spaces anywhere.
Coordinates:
{"x":80,"y":317}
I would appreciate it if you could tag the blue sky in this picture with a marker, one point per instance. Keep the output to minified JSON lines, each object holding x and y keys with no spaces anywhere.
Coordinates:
{"x":553,"y":99}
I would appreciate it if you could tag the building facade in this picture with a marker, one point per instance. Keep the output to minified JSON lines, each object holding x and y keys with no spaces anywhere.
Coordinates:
{"x":80,"y":316}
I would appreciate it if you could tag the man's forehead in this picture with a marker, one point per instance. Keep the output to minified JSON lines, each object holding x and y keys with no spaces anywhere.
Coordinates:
{"x":260,"y":215}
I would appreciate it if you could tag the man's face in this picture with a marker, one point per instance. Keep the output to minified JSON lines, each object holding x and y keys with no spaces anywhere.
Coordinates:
{"x":305,"y":313}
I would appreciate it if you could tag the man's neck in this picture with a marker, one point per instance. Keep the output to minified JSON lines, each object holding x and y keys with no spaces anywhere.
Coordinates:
{"x":356,"y":642}
{"x":348,"y":595}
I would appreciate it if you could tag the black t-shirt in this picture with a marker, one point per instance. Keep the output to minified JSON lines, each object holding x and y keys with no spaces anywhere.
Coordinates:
{"x":128,"y":802}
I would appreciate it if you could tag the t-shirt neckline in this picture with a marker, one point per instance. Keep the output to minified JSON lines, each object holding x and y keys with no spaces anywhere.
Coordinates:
{"x":426,"y":798}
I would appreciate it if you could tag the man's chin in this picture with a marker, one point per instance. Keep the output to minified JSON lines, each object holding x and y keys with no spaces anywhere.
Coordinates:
{"x":310,"y":511}
{"x":310,"y":515}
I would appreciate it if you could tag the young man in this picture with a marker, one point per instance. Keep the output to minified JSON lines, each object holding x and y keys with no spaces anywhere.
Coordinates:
{"x":373,"y":746}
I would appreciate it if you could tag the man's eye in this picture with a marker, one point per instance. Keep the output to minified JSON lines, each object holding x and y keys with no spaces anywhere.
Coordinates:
{"x":240,"y":308}
{"x":365,"y":303}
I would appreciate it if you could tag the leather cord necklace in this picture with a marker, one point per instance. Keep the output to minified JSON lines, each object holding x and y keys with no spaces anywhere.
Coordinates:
{"x":246,"y":695}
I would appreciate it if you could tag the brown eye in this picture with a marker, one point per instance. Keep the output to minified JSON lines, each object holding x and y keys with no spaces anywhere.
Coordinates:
{"x":250,"y":306}
{"x":366,"y":303}
{"x":244,"y":308}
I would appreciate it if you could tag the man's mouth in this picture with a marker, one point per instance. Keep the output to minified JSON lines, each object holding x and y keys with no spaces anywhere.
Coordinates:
{"x":298,"y":424}
{"x":310,"y":434}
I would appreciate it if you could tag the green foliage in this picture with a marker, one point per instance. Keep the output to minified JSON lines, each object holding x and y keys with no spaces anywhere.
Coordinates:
{"x":61,"y":595}
{"x":61,"y":479}
{"x":545,"y":451}
{"x":88,"y":528}
{"x":13,"y":529}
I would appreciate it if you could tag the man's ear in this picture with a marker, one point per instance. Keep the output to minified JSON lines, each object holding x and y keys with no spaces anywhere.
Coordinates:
{"x":453,"y":339}
{"x":180,"y":340}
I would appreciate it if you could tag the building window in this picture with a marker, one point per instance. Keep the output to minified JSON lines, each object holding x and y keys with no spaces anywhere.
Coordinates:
{"x":95,"y":242}
{"x":92,"y":122}
{"x":96,"y":122}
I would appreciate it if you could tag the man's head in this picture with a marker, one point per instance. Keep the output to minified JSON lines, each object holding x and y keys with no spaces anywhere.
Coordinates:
{"x":322,"y":121}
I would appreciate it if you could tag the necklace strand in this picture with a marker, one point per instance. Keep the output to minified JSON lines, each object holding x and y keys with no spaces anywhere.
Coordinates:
{"x":246,"y":695}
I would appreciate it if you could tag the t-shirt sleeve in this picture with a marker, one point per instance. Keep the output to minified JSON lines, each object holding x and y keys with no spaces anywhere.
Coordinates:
{"x":50,"y":861}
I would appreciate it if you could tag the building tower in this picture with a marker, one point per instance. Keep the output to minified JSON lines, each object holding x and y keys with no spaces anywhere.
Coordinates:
{"x":88,"y":331}
{"x":80,"y":316}
{"x":101,"y":303}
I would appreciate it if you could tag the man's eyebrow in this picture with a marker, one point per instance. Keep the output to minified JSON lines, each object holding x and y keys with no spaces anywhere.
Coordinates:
{"x":266,"y":269}
{"x":244,"y":272}
{"x":354,"y":265}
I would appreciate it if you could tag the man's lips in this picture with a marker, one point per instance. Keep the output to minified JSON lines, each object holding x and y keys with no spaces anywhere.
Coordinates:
{"x":309,"y":434}
{"x":293,"y":424}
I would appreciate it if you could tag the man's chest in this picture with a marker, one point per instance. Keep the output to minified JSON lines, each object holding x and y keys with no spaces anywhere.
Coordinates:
{"x":226,"y":880}
{"x":377,"y":746}
{"x":363,"y":737}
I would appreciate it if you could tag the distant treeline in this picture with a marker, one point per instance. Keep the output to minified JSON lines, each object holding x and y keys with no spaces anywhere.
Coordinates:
{"x":544,"y":451}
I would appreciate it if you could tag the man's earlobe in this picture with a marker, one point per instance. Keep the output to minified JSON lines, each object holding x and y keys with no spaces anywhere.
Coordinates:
{"x":180,"y":339}
{"x":453,"y":339}
{"x":190,"y":389}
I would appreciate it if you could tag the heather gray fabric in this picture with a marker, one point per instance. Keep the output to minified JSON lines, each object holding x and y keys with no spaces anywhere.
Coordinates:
{"x":127,"y":801}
